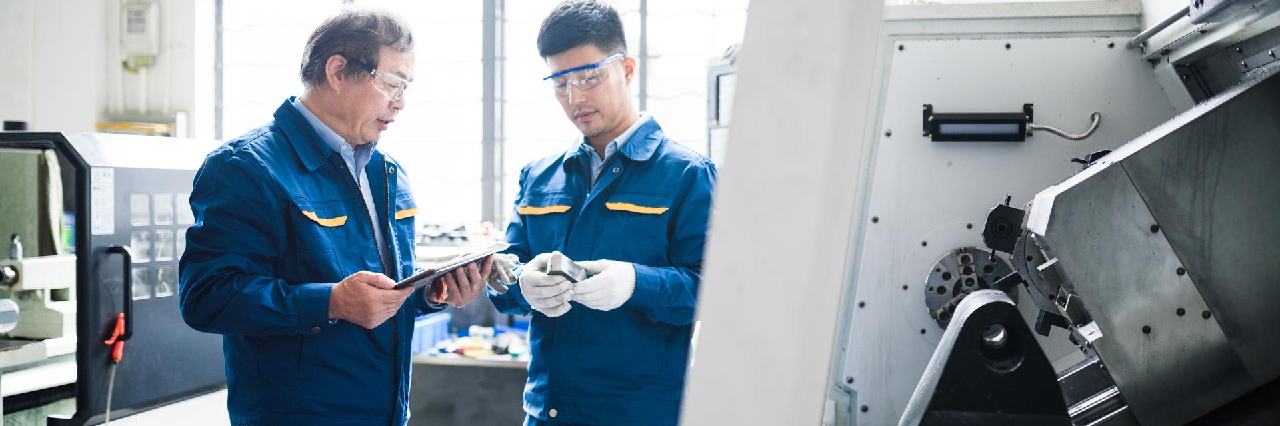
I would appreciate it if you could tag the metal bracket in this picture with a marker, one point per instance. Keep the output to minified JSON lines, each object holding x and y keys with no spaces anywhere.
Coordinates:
{"x":988,"y":370}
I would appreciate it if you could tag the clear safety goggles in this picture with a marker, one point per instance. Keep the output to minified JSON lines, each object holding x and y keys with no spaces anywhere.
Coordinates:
{"x":392,"y":86}
{"x":585,"y":77}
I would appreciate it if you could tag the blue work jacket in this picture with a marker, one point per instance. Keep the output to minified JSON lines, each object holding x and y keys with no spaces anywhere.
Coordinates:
{"x":279,"y":221}
{"x":649,"y":207}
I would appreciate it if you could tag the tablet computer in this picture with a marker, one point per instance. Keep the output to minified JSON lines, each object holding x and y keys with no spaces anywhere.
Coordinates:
{"x":429,"y":275}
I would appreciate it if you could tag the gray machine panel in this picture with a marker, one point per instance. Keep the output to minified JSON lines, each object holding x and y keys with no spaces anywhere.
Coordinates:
{"x":1126,"y":276}
{"x":1206,"y":179}
{"x":1211,"y":186}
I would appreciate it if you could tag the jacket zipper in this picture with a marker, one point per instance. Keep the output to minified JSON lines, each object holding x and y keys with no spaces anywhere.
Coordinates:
{"x":395,"y":333}
{"x":395,"y":343}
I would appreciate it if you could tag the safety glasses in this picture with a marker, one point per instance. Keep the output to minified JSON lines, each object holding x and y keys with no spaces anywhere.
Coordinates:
{"x":392,"y":86}
{"x":585,"y":77}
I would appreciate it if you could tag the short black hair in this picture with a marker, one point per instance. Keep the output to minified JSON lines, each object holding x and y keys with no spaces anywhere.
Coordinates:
{"x":578,"y":22}
{"x":355,"y":33}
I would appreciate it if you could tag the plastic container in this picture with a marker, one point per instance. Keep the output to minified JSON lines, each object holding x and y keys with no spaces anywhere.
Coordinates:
{"x":429,"y":330}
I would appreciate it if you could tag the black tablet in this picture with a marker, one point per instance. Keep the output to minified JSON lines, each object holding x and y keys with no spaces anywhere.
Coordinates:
{"x":429,"y":275}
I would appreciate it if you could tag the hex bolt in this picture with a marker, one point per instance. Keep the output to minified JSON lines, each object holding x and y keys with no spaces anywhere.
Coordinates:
{"x":1111,"y":45}
{"x":875,"y":219}
{"x":848,"y":380}
{"x":900,"y":47}
{"x":1146,"y":329}
{"x":888,"y":132}
{"x":1205,"y":314}
{"x":1008,"y":46}
{"x":924,"y":244}
{"x":1182,"y":312}
{"x":1181,"y":271}
{"x":1155,"y":228}
{"x":922,"y":331}
{"x":864,"y":408}
{"x":862,"y":304}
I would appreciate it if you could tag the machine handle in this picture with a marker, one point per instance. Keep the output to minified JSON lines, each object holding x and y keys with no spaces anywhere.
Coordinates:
{"x":128,"y":288}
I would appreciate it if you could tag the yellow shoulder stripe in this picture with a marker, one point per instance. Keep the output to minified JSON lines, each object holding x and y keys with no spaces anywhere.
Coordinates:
{"x":534,"y":211}
{"x":401,"y":214}
{"x":337,"y":221}
{"x":628,"y":207}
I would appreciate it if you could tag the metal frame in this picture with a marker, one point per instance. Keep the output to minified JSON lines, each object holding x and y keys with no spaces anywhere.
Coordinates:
{"x":217,"y":70}
{"x":491,"y":118}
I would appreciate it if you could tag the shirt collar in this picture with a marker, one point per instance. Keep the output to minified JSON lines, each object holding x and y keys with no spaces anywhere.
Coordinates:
{"x":356,"y":157}
{"x":637,"y":143}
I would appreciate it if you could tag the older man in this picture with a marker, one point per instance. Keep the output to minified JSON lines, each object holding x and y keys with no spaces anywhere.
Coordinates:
{"x":303,"y":228}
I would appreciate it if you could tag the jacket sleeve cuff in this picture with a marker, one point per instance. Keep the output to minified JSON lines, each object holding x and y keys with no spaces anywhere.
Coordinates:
{"x":313,"y":306}
{"x":425,"y":305}
{"x":648,"y":291}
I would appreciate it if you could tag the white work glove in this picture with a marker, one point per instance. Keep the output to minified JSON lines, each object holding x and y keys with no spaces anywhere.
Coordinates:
{"x":610,"y":285}
{"x":503,"y":272}
{"x":549,"y":294}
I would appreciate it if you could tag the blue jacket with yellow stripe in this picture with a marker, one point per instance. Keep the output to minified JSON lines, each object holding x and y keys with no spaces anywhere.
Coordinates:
{"x":279,"y":220}
{"x":650,"y":207}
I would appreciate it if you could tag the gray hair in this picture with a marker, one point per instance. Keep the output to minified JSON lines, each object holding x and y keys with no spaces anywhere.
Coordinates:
{"x":355,"y":33}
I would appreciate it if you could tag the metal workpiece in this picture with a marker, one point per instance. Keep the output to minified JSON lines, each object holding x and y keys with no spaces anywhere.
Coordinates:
{"x":988,"y":350}
{"x":561,"y":265}
{"x":958,"y":274}
{"x":1177,"y":222}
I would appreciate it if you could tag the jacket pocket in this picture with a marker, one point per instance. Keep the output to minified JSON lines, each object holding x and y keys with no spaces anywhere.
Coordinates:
{"x":319,"y":229}
{"x":635,"y":228}
{"x":546,"y":219}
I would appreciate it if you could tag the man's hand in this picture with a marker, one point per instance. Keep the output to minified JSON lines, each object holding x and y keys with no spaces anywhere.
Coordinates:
{"x":503,"y":271}
{"x":366,"y":299}
{"x":462,"y":285}
{"x":548,"y":294}
{"x":610,"y":285}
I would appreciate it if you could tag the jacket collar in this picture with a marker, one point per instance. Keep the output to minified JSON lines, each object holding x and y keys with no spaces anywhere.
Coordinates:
{"x":306,"y":142}
{"x":640,"y":147}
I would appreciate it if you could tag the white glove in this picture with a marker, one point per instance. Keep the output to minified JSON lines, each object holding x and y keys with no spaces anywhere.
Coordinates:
{"x":503,"y":272}
{"x":610,"y":285}
{"x":549,"y":294}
